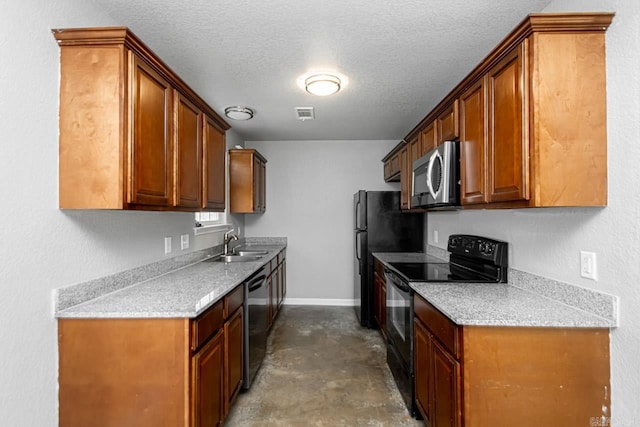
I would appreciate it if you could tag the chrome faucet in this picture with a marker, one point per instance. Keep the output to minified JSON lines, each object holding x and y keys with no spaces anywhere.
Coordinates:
{"x":228,"y":237}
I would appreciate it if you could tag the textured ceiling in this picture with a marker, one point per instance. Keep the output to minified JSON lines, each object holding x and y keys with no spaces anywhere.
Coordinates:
{"x":401,"y":57}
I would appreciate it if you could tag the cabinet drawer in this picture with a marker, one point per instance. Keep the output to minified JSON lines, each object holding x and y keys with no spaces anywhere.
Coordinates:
{"x":447,"y":332}
{"x":233,"y":301}
{"x":206,"y":325}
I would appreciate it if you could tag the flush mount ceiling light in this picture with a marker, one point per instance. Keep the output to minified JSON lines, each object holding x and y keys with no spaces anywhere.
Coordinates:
{"x":238,"y":113}
{"x":322,"y":84}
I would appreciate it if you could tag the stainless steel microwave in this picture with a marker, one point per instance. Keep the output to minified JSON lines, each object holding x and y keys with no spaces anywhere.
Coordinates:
{"x":436,"y":178}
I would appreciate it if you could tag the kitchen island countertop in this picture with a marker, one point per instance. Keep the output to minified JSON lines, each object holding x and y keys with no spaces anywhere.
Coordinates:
{"x":495,"y":304}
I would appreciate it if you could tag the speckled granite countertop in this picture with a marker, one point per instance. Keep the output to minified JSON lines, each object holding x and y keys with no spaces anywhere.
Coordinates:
{"x":184,"y":292}
{"x":502,"y":304}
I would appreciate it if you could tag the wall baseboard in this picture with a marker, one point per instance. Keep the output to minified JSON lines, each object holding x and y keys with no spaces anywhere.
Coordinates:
{"x":319,"y":301}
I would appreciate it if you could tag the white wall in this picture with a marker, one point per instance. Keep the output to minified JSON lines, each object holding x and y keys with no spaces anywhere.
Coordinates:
{"x":41,"y":247}
{"x":547,"y":241}
{"x":310,"y":187}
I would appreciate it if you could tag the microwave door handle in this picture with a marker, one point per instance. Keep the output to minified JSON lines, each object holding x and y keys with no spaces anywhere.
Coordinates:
{"x":429,"y":170}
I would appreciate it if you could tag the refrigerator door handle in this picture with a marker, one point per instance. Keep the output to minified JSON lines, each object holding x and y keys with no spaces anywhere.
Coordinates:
{"x":358,"y":248}
{"x":358,"y":226}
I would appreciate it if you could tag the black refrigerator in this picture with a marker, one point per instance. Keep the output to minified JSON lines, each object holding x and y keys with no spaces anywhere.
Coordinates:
{"x":379,"y":226}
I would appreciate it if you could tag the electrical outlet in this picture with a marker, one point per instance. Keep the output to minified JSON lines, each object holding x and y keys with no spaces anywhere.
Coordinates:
{"x":167,"y":245}
{"x":184,"y":242}
{"x":435,"y":236}
{"x":588,"y":265}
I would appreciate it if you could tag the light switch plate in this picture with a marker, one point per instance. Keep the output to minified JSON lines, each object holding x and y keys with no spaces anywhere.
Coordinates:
{"x":588,"y":265}
{"x":167,"y":245}
{"x":184,"y":241}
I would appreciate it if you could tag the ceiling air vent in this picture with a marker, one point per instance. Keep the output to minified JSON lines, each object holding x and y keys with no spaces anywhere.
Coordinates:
{"x":304,"y":113}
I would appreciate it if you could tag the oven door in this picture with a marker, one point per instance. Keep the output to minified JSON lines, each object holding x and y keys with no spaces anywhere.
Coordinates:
{"x":399,"y":318}
{"x":400,"y":338}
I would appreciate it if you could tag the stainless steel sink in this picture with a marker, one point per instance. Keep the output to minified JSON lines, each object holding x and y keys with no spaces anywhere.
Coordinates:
{"x":249,"y":252}
{"x":239,"y":258}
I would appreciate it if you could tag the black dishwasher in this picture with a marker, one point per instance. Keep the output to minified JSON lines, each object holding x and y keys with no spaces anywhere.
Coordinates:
{"x":256,"y":323}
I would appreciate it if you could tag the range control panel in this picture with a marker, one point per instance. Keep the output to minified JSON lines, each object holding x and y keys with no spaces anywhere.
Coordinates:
{"x":468,"y":246}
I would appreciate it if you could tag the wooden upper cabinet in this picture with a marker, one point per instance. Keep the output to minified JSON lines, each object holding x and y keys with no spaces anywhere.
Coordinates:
{"x":392,"y":164}
{"x":247,"y":181}
{"x":447,"y":123}
{"x":259,"y":184}
{"x":214,"y":174}
{"x":532,"y":117}
{"x":150,"y":141}
{"x":428,"y":139}
{"x":188,"y":142}
{"x":130,"y":128}
{"x":508,"y":141}
{"x":473,"y":144}
{"x":405,"y":179}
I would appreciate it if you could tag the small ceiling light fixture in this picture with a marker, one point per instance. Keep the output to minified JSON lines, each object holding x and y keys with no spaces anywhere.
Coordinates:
{"x":322,"y":84}
{"x":238,"y":113}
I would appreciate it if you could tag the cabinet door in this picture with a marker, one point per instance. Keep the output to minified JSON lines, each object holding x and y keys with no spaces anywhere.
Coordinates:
{"x":423,"y":367}
{"x":405,"y":195}
{"x":427,"y":139}
{"x":257,"y":184}
{"x":233,"y":356}
{"x":383,"y":310}
{"x":281,"y":280}
{"x":447,"y":123}
{"x":377,"y":291}
{"x":508,"y":137}
{"x":284,"y":278}
{"x":473,"y":145}
{"x":214,"y":167}
{"x":272,"y":309}
{"x":150,"y":143}
{"x":447,"y":408}
{"x":208,"y":383}
{"x":275,"y":294}
{"x":262,"y":189}
{"x":188,"y":152}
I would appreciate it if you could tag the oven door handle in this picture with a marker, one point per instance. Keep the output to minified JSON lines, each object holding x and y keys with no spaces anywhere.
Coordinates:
{"x":397,"y":281}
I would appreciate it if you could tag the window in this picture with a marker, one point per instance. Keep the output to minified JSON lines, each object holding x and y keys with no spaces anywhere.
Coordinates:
{"x":207,"y":222}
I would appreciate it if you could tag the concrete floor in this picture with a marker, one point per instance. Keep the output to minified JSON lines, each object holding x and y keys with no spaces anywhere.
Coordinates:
{"x":322,"y":369}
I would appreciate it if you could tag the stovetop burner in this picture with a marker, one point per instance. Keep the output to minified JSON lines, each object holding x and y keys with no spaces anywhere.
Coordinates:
{"x":435,"y":272}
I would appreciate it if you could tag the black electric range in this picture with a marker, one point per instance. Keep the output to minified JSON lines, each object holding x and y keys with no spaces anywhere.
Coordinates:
{"x":471,"y":259}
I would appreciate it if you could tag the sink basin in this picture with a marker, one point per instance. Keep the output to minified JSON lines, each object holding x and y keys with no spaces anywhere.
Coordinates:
{"x":239,"y":258}
{"x":249,"y":252}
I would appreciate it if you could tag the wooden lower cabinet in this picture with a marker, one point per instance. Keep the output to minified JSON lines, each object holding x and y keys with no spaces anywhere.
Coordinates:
{"x":208,"y":383}
{"x":233,"y":344}
{"x":277,"y":284}
{"x":423,"y":370}
{"x":446,"y":380}
{"x":477,"y":376}
{"x":380,"y":297}
{"x":151,"y":372}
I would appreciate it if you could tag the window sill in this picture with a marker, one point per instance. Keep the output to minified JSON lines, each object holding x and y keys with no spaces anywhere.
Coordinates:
{"x":206,"y":229}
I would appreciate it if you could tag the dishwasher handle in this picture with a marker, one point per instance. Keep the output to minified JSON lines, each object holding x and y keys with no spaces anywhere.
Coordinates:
{"x":256,"y":283}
